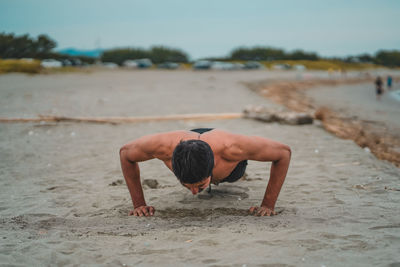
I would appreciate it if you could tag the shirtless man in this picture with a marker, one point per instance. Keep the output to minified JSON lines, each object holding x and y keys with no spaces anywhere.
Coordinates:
{"x":203,"y":156}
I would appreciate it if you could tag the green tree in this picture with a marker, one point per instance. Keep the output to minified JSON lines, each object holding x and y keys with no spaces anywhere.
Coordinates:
{"x":387,"y":58}
{"x":160,"y":54}
{"x":6,"y":45}
{"x":301,"y":55}
{"x":257,"y":53}
{"x":269,"y":53}
{"x":12,"y":46}
{"x":44,"y":44}
{"x":156,"y":54}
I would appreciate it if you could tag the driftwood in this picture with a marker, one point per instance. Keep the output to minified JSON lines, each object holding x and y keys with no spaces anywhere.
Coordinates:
{"x":258,"y":113}
{"x":264,"y":114}
{"x":115,"y":120}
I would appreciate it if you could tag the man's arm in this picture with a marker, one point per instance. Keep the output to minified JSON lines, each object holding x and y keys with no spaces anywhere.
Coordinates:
{"x":130,"y":154}
{"x":262,"y":149}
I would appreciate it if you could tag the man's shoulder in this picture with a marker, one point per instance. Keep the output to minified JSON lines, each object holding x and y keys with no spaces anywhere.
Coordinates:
{"x":221,"y":133}
{"x":160,"y":145}
{"x":226,"y":143}
{"x":165,"y":137}
{"x":227,"y":137}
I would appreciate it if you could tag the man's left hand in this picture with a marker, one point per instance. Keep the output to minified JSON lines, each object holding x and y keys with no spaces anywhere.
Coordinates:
{"x":262,"y":211}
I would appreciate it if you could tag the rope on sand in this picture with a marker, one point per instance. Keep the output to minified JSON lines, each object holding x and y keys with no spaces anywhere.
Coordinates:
{"x":116,"y":120}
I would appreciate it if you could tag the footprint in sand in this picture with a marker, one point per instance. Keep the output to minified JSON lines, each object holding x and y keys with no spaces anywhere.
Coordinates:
{"x":209,"y":261}
{"x":117,"y":182}
{"x":150,"y":183}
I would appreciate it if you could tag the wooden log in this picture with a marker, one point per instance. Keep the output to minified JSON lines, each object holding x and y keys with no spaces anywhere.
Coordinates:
{"x":115,"y":120}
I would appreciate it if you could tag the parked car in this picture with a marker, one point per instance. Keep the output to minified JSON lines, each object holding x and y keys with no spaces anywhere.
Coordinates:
{"x":283,"y":66}
{"x":76,"y":62}
{"x":66,"y":62}
{"x":217,"y":65}
{"x":202,"y":65}
{"x":299,"y":67}
{"x":110,"y":65}
{"x":168,"y":65}
{"x":129,"y":63}
{"x":51,"y":63}
{"x":251,"y":65}
{"x":143,"y":63}
{"x":238,"y":66}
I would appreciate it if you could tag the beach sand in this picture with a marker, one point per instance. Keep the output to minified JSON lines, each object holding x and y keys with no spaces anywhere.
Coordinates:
{"x":63,"y":202}
{"x":360,"y":101}
{"x":345,"y":107}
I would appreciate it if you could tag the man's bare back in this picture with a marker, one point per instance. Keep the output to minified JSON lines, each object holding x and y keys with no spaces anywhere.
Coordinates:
{"x":228,"y":150}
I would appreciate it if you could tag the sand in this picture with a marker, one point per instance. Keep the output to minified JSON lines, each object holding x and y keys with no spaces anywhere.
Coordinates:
{"x":360,"y":101}
{"x":62,"y":202}
{"x":345,"y":107}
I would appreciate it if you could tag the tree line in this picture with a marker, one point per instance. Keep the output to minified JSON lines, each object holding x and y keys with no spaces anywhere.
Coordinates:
{"x":389,"y":58}
{"x":157,"y":54}
{"x":269,"y":54}
{"x":24,"y":46}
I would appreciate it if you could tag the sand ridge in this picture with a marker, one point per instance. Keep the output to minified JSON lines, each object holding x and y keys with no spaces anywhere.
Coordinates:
{"x":380,"y":135}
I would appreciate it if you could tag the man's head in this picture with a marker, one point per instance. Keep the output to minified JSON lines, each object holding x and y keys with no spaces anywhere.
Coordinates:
{"x":193,"y":162}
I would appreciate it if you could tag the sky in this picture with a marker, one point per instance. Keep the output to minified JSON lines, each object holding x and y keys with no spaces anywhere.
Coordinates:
{"x":210,"y":28}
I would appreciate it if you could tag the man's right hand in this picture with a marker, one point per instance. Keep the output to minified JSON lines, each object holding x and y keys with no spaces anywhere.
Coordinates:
{"x":143,"y":211}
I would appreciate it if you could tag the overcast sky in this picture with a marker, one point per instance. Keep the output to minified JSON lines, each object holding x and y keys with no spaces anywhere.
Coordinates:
{"x":210,"y":27}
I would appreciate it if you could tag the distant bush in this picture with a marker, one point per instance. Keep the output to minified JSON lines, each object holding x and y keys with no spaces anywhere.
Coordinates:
{"x":388,"y":58}
{"x":384,"y":58}
{"x":268,"y":53}
{"x":257,"y":53}
{"x":15,"y":65}
{"x":157,"y":54}
{"x":301,"y":55}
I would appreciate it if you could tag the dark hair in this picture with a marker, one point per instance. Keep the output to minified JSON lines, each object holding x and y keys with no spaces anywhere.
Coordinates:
{"x":192,"y":161}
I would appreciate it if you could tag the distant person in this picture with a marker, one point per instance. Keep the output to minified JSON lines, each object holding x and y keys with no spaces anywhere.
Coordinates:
{"x":379,"y":88}
{"x":389,"y":82}
{"x":203,"y":156}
